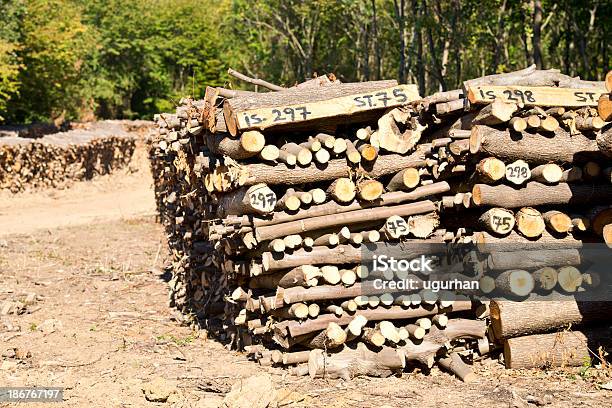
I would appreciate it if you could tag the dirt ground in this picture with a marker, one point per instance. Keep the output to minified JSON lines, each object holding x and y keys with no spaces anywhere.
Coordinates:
{"x":83,"y":305}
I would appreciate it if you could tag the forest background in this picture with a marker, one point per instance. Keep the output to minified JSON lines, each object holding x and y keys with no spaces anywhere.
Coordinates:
{"x":97,"y":59}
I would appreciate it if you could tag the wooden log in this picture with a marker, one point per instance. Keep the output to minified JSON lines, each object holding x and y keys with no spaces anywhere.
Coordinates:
{"x":534,"y":121}
{"x":549,"y":124}
{"x":404,"y":180}
{"x":512,"y":319}
{"x":514,"y":282}
{"x":534,"y":194}
{"x":488,"y":243}
{"x":454,"y":364}
{"x":426,"y":349}
{"x":331,"y":274}
{"x":302,"y":275}
{"x":289,"y":202}
{"x":499,"y":221}
{"x":347,"y":218}
{"x":608,"y":81}
{"x":332,"y":337}
{"x":531,"y":76}
{"x":270,"y":153}
{"x":355,"y":327}
{"x":518,"y":124}
{"x":318,"y":196}
{"x":499,"y":261}
{"x":322,"y":156}
{"x":352,"y":154}
{"x":423,"y":226}
{"x":356,"y":361}
{"x":303,"y":155}
{"x":296,"y":357}
{"x":445,"y":108}
{"x":369,"y":190}
{"x":256,"y":199}
{"x":557,"y":222}
{"x":248,"y":145}
{"x":563,"y":349}
{"x":415,"y":331}
{"x":604,"y":107}
{"x":549,"y":173}
{"x":533,"y":148}
{"x":389,"y":331}
{"x":330,"y":239}
{"x":604,"y":142}
{"x":288,"y":158}
{"x":569,"y":278}
{"x":545,"y":278}
{"x":373,"y":336}
{"x":254,"y":81}
{"x":495,"y":113}
{"x":490,"y":170}
{"x":283,"y":175}
{"x":529,"y":222}
{"x":589,"y":123}
{"x":368,"y":152}
{"x":342,"y":190}
{"x":336,"y":104}
{"x":389,"y":136}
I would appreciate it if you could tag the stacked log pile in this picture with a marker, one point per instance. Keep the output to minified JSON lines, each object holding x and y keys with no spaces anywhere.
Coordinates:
{"x":274,"y":202}
{"x":58,"y":159}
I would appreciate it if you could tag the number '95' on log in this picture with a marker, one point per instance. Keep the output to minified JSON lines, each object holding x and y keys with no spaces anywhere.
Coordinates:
{"x":535,"y":95}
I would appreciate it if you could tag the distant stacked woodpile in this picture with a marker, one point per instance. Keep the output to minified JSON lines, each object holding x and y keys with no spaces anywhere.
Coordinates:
{"x":57,"y":159}
{"x":274,"y":203}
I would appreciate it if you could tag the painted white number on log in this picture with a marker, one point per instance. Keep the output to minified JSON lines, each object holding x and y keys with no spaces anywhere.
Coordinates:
{"x":396,"y":226}
{"x":518,"y":172}
{"x":263,"y":202}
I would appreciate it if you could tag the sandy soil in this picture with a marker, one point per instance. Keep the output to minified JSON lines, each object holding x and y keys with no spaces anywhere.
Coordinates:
{"x":86,"y":309}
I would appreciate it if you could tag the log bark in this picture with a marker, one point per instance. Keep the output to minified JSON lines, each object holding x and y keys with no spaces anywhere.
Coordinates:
{"x":500,"y":261}
{"x":533,"y":148}
{"x":513,"y":319}
{"x":248,"y":145}
{"x":604,"y":142}
{"x":534,"y":194}
{"x":563,"y":349}
{"x":488,"y":243}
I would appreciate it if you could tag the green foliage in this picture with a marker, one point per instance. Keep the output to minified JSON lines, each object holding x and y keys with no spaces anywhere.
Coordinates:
{"x":79,"y":59}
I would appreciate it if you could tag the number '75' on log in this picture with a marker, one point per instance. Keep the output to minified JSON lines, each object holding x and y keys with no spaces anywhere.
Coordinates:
{"x":535,"y":95}
{"x":319,"y":108}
